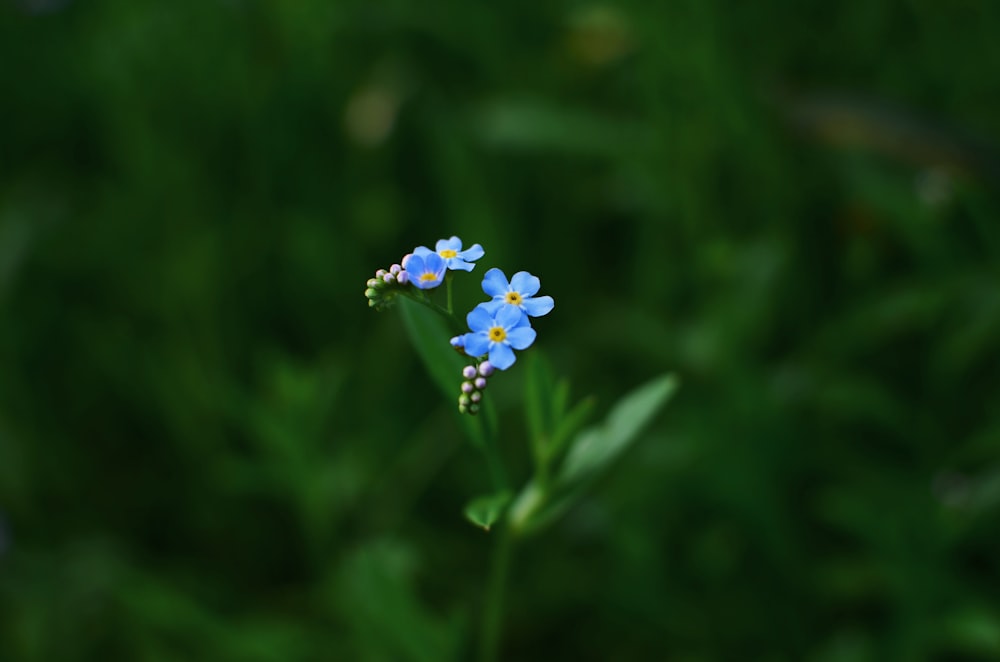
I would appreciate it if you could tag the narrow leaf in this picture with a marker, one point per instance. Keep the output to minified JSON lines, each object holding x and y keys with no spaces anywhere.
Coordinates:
{"x":569,"y":425}
{"x":596,"y":448}
{"x":430,"y":335}
{"x":536,"y":403}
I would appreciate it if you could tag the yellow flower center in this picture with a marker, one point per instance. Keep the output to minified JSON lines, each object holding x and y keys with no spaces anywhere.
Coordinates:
{"x":428,"y":276}
{"x":447,"y":253}
{"x":497,"y":334}
{"x":513,"y":298}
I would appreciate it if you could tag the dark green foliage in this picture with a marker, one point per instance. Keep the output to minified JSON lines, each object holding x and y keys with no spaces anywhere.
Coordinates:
{"x":212,"y":449}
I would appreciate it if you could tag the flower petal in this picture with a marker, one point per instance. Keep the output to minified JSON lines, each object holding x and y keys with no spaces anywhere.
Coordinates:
{"x":521,"y":337}
{"x":479,"y":319}
{"x":434,"y":262}
{"x":454,"y":244}
{"x":525,"y":283}
{"x":492,"y":306}
{"x":476,"y":344}
{"x":422,"y":251}
{"x":525,"y":320}
{"x":458,"y":264}
{"x":508,"y":316}
{"x":501,"y":356}
{"x":538,"y":306}
{"x":473,"y":252}
{"x":495,"y":283}
{"x":415,"y":266}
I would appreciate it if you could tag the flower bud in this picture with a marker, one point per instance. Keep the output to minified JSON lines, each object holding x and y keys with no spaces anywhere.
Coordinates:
{"x":467,"y":387}
{"x":480,"y":383}
{"x":380,"y":273}
{"x":468,"y":371}
{"x":486,"y":368}
{"x":464,"y":400}
{"x":373,"y":282}
{"x":395,"y":269}
{"x":473,"y":409}
{"x":389,"y":279}
{"x":371,"y":293}
{"x":403,"y":278}
{"x":462,"y":409}
{"x":476,"y":396}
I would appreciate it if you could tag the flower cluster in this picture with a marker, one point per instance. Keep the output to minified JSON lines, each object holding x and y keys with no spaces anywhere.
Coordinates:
{"x":497,"y":327}
{"x":501,"y":325}
{"x":384,"y":287}
{"x":423,"y":268}
{"x":472,"y":388}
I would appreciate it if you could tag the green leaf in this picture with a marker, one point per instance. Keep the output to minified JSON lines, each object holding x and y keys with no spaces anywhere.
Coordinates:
{"x":537,"y":392}
{"x":569,"y":424}
{"x":430,"y":335}
{"x":592,"y":450}
{"x":560,"y":399}
{"x":485,"y":510}
{"x":596,"y":448}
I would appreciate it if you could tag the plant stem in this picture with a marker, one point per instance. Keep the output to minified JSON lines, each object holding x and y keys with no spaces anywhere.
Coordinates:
{"x":493,"y":610}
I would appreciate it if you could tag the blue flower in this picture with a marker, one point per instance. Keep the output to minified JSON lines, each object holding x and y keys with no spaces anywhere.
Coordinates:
{"x":498,"y":334}
{"x":519,"y":292}
{"x":451,"y":251}
{"x":424,"y":271}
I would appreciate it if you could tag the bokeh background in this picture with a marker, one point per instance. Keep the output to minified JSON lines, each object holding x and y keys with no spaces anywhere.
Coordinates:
{"x":211,"y":449}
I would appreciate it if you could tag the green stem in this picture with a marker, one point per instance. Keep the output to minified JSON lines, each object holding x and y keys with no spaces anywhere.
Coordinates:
{"x":493,"y":611}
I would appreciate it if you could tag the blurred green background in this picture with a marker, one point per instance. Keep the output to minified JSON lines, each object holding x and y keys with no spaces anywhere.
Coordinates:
{"x":211,"y":449}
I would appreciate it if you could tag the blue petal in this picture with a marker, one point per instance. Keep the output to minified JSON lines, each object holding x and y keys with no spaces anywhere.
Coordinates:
{"x":492,"y":306}
{"x":422,"y":251}
{"x":476,"y":344}
{"x":538,"y":306}
{"x":415,"y":265}
{"x":521,"y":337}
{"x":422,"y":284}
{"x":525,"y":320}
{"x":525,"y":284}
{"x":458,"y":264}
{"x":473,"y":252}
{"x":508,"y":316}
{"x":495,"y":283}
{"x":454,"y":244}
{"x":434,"y":262}
{"x":479,"y":319}
{"x":501,"y":356}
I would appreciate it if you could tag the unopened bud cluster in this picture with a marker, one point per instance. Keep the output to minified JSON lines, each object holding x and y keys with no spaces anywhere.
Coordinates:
{"x":473,"y":386}
{"x":384,"y":287}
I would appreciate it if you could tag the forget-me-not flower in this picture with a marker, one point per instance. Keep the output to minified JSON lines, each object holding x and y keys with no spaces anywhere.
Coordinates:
{"x":498,"y":334}
{"x":424,"y":271}
{"x":451,"y":252}
{"x":520,"y":292}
